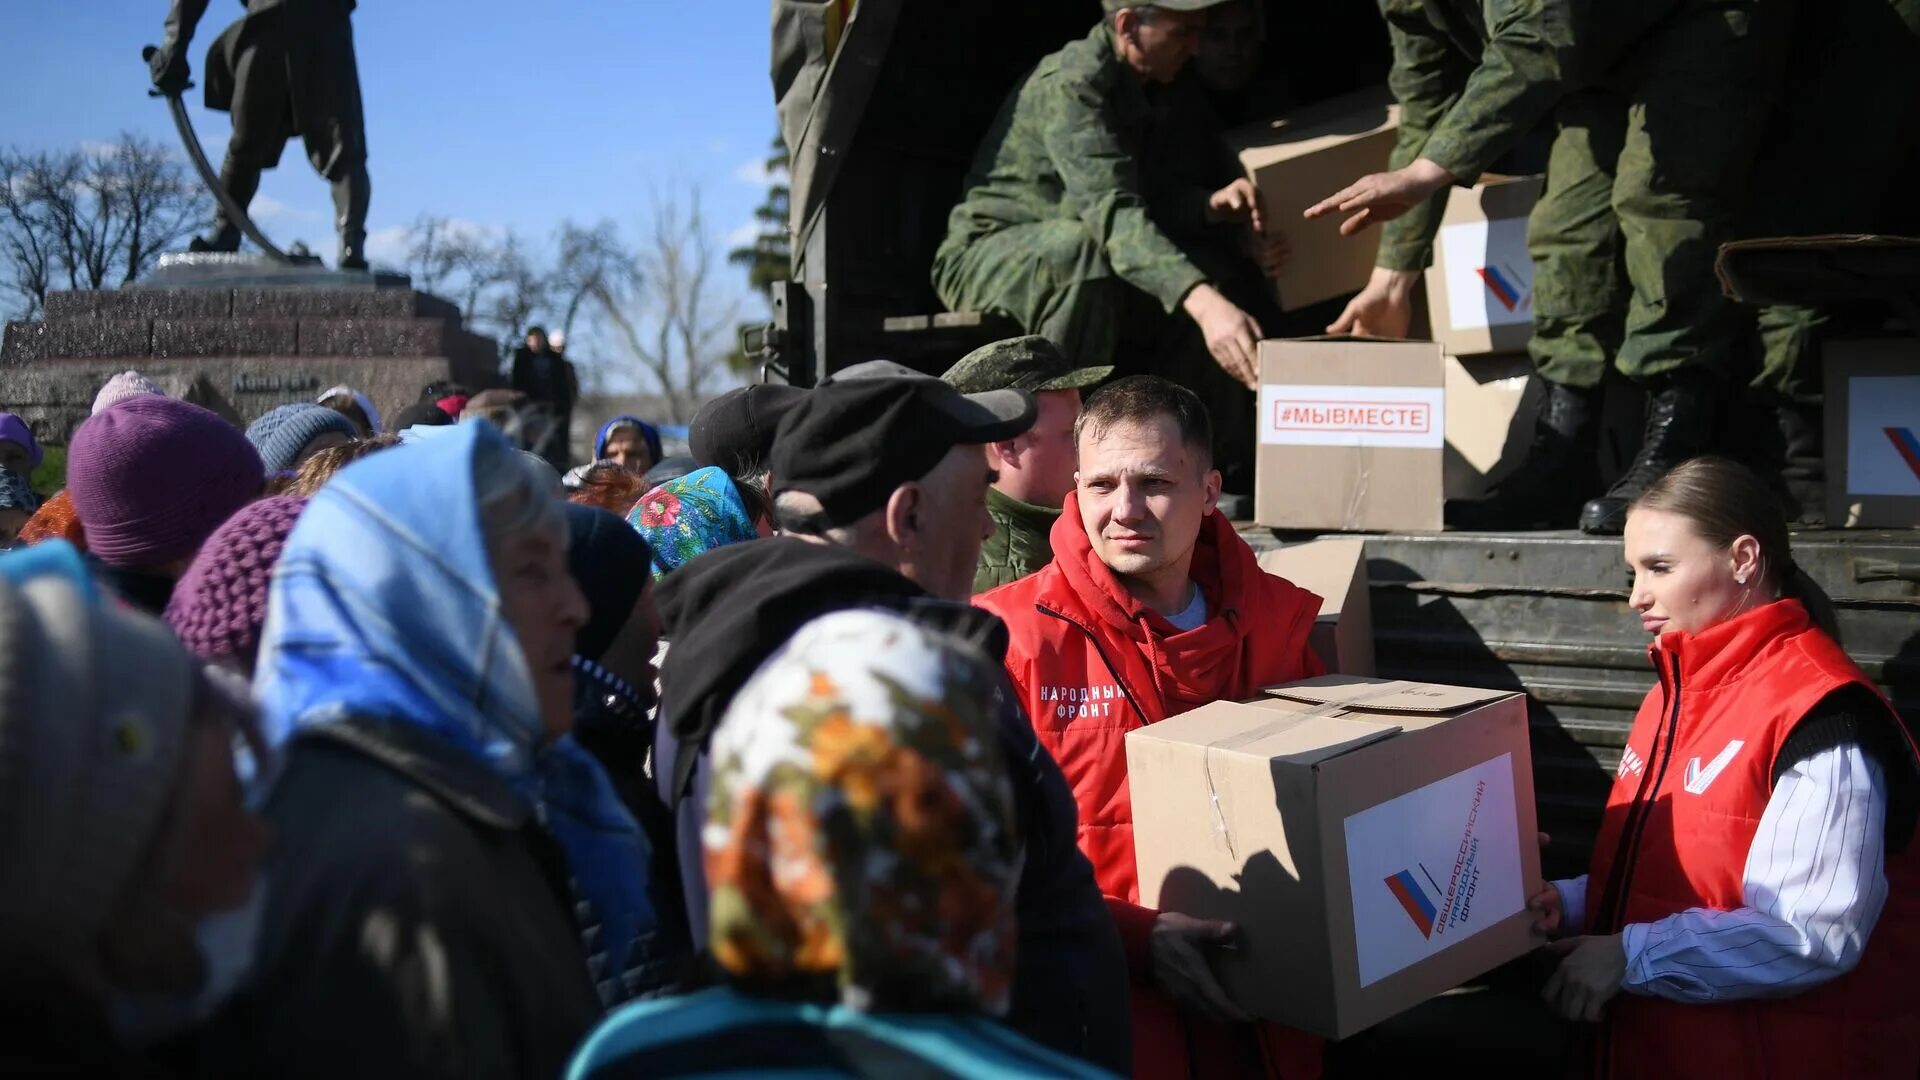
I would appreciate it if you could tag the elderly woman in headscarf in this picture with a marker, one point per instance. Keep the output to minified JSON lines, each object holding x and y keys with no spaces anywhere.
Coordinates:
{"x":17,"y":506}
{"x":437,"y":829}
{"x":694,"y":514}
{"x":863,"y":854}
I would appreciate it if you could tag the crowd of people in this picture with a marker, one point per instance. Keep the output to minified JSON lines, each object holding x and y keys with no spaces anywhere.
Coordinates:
{"x":333,"y":751}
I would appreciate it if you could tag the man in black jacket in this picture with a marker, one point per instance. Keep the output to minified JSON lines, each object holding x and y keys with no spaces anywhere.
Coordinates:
{"x":882,"y":483}
{"x":548,"y":380}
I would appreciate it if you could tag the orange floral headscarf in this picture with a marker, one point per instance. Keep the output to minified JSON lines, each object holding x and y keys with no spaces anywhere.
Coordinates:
{"x":860,"y":830}
{"x":55,"y":520}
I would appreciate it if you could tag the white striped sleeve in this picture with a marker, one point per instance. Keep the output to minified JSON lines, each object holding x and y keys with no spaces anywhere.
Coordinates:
{"x":1815,"y":883}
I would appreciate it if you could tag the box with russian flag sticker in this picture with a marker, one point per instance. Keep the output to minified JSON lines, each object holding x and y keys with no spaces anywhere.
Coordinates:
{"x":1374,"y":840}
{"x":1480,"y":285}
{"x":1873,"y":433}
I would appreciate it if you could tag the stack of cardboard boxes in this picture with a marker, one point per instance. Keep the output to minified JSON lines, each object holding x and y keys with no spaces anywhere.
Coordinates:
{"x":1370,"y":435}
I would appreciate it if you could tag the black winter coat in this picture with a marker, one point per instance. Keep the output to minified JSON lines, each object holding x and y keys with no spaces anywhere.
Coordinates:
{"x":418,"y":922}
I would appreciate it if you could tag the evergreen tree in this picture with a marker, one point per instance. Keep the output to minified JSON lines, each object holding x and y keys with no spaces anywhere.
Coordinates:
{"x":770,"y":257}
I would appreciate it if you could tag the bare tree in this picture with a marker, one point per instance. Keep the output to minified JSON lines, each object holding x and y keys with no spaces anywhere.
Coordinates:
{"x":92,"y":220}
{"x":677,"y":323}
{"x":593,"y":264}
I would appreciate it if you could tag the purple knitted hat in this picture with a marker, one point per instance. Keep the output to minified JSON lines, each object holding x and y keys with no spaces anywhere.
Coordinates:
{"x":219,"y":605}
{"x":152,"y":476}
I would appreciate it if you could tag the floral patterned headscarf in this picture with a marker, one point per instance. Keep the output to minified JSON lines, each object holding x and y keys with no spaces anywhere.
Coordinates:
{"x":695,"y":513}
{"x":860,"y":828}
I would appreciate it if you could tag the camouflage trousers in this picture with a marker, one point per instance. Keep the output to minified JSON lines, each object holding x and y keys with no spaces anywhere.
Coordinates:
{"x":1053,"y":278}
{"x":1648,"y":175}
{"x":1847,"y":131}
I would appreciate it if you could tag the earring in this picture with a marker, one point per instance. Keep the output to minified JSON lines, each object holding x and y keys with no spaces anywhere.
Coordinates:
{"x":1740,"y":579}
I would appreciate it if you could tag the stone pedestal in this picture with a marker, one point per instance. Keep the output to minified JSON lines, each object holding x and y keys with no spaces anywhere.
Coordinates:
{"x":239,"y":349}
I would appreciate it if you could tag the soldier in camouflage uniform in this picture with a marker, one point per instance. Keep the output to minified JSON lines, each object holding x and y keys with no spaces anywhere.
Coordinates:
{"x":1036,"y":469}
{"x":1092,"y":210}
{"x":1851,"y":106}
{"x":286,"y":68}
{"x":1659,"y":107}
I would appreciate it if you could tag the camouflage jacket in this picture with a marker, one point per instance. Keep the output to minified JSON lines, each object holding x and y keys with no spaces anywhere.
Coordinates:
{"x":1020,"y":544}
{"x":1081,"y":138}
{"x":1472,"y":76}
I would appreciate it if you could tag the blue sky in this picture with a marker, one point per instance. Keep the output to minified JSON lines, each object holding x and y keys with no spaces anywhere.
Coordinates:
{"x":503,"y":114}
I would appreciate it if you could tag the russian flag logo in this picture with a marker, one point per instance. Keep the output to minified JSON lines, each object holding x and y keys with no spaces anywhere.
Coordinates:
{"x":1502,"y":288}
{"x":1906,"y":445}
{"x":1406,"y":889}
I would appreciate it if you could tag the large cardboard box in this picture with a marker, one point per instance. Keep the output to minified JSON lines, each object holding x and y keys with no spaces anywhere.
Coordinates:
{"x":1491,"y":405}
{"x":1873,"y":433}
{"x":1352,"y":435}
{"x":1304,"y":157}
{"x":1480,"y":286}
{"x":1374,"y":840}
{"x":1335,"y":569}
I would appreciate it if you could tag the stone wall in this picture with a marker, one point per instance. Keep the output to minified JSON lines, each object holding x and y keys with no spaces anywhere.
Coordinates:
{"x":239,"y":351}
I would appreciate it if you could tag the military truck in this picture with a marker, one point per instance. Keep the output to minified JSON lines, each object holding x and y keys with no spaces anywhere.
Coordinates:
{"x":882,"y":105}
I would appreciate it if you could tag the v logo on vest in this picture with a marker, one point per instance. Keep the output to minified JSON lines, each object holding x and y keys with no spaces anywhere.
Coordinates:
{"x":1629,"y":763}
{"x":1699,"y":779}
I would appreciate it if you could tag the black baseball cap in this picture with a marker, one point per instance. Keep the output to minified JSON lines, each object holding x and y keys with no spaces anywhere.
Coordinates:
{"x":735,"y":430}
{"x":851,"y":442}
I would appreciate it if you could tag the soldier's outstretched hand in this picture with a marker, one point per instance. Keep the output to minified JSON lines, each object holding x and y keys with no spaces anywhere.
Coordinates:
{"x":1383,"y":309}
{"x":1238,"y":201}
{"x":171,"y":74}
{"x":1379,"y":197}
{"x":1233,"y":338}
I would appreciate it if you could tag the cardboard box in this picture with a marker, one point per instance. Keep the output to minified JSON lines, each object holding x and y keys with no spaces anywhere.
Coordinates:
{"x":1480,"y":286}
{"x":1873,"y":433}
{"x":1491,"y":405}
{"x":1304,"y":157}
{"x":1352,"y":435}
{"x":1335,"y":568}
{"x":1374,"y":840}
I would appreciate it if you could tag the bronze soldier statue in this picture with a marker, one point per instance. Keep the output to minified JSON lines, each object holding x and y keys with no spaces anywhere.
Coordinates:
{"x":285,"y":68}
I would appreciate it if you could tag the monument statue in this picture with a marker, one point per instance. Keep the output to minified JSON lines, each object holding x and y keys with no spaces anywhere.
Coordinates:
{"x":285,"y":68}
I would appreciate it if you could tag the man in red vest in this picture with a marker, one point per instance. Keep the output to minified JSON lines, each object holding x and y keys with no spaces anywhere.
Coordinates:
{"x":1152,"y":606}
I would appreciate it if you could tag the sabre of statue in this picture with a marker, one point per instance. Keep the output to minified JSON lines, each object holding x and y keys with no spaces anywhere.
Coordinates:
{"x":285,"y":68}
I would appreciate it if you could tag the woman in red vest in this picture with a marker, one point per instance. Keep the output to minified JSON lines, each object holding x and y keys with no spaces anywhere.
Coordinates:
{"x":1753,"y":907}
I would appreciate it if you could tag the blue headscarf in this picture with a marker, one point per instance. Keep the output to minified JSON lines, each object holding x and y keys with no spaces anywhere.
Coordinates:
{"x":690,"y":516}
{"x":384,"y":606}
{"x":648,"y":432}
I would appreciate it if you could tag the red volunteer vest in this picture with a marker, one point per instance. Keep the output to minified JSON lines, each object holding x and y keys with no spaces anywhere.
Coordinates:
{"x":1090,"y":664}
{"x":1693,"y":781}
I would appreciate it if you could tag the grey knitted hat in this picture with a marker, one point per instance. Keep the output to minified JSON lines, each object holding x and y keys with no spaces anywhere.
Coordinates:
{"x":282,"y":433}
{"x":94,"y":704}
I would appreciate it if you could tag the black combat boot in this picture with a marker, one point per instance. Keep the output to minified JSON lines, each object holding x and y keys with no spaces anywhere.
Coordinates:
{"x":1680,"y":415}
{"x":1544,"y":492}
{"x":1789,"y":452}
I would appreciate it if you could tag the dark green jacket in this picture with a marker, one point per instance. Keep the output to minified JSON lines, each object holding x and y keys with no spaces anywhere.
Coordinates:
{"x":1082,"y":139}
{"x":1019,"y":544}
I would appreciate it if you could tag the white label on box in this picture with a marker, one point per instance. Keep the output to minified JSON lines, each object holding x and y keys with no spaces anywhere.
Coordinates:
{"x":1488,"y":273}
{"x":1408,"y":417}
{"x":1434,"y":866}
{"x":1883,"y":435}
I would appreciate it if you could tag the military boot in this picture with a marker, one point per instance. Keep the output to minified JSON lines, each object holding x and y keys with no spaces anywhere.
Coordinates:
{"x":1544,"y":491}
{"x":351,"y":195}
{"x":1680,"y":415}
{"x":1789,"y":453}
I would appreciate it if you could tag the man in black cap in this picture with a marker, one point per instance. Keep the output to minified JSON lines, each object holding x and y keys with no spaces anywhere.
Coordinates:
{"x":880,"y":487}
{"x":735,"y":430}
{"x":1035,"y":468}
